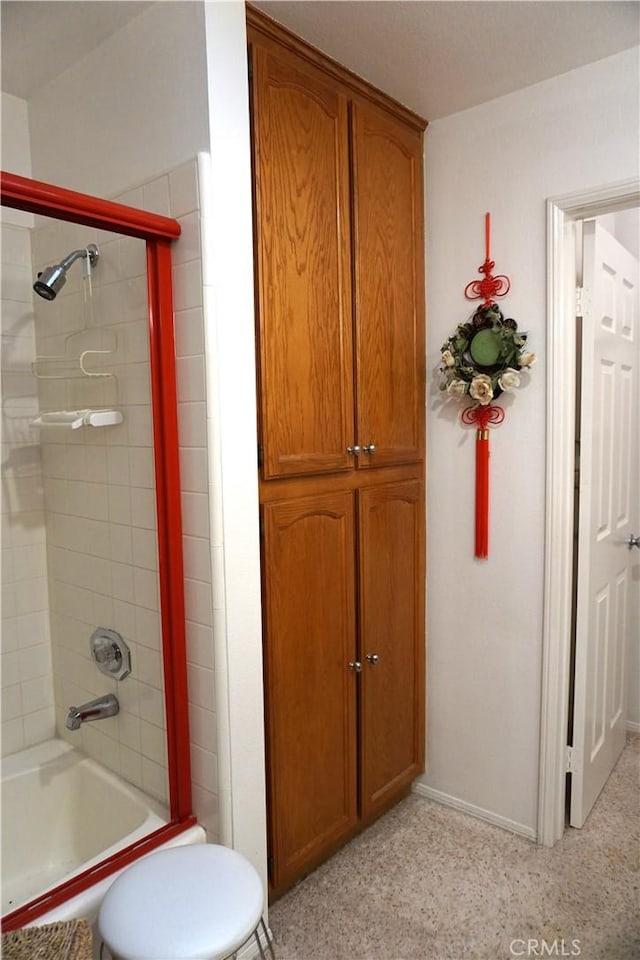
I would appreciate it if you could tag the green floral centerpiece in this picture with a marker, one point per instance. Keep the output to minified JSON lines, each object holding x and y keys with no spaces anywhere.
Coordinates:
{"x":484,"y":357}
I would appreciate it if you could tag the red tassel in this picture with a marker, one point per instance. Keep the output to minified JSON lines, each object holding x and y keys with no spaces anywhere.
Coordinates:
{"x":482,"y":494}
{"x":482,"y":416}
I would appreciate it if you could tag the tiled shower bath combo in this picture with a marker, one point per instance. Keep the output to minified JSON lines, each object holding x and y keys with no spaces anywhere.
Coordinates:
{"x":79,"y":530}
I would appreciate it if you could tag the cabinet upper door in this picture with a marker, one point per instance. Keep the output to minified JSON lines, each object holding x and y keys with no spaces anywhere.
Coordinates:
{"x":392,"y":641}
{"x":389,"y":287}
{"x":301,"y":170}
{"x":310,"y":690}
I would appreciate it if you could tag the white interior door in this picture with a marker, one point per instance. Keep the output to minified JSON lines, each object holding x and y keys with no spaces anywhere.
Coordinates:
{"x":608,"y":513}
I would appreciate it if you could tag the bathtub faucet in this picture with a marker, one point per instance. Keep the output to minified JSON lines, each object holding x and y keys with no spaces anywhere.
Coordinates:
{"x":106,"y":706}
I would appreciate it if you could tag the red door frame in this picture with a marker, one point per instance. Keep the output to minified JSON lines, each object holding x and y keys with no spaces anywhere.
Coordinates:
{"x":158,"y":232}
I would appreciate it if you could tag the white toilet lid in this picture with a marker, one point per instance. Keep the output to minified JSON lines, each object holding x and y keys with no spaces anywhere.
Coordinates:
{"x":195,"y":902}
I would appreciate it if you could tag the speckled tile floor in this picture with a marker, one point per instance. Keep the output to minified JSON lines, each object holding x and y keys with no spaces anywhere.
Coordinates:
{"x":429,"y":883}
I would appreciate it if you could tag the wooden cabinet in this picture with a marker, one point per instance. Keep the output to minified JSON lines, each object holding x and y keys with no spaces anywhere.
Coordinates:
{"x":301,"y":167}
{"x":391,"y":621}
{"x":388,"y":255}
{"x":309,"y":617}
{"x":322,"y":222}
{"x":341,"y":379}
{"x":323,"y":660}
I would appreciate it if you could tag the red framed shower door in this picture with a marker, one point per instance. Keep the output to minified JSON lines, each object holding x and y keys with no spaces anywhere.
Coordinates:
{"x":42,"y":198}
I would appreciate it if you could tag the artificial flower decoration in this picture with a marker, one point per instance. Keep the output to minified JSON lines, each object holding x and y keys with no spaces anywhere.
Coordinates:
{"x":482,"y":359}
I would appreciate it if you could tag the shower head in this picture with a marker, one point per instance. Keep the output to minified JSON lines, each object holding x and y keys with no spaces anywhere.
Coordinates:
{"x":51,"y":280}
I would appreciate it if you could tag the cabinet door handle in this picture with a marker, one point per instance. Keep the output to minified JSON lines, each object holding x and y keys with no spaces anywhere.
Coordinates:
{"x":373,"y":657}
{"x":369,"y":448}
{"x":355,"y":665}
{"x":354,"y":450}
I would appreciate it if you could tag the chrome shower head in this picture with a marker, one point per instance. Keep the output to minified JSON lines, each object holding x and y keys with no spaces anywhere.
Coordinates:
{"x":51,"y":280}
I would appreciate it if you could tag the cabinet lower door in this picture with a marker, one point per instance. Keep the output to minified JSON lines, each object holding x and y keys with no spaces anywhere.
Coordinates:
{"x":310,"y":690}
{"x":392,"y":641}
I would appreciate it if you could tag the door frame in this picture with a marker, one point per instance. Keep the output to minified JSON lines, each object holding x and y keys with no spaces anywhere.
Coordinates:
{"x":562,"y":214}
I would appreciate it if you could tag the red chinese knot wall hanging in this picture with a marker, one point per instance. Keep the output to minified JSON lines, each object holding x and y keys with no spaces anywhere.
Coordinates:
{"x":482,"y":359}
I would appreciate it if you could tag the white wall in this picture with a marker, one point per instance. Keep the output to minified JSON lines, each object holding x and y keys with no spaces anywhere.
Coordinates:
{"x":576,"y":131}
{"x":229,"y":320}
{"x":15,"y":149}
{"x":135,"y":106}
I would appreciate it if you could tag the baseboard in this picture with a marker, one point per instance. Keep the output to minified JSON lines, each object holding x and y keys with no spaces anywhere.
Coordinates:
{"x":633,"y":727}
{"x":474,"y":811}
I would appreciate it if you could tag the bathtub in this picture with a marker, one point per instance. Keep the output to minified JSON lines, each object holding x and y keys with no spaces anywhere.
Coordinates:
{"x":63,"y":813}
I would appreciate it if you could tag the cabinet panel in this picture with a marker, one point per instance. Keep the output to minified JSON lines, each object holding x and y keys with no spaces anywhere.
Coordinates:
{"x":391,"y":628}
{"x":389,"y":287}
{"x":301,"y":168}
{"x":311,"y":693}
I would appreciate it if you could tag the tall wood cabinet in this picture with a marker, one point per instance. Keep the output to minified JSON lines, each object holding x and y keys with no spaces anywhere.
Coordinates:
{"x":339,"y":253}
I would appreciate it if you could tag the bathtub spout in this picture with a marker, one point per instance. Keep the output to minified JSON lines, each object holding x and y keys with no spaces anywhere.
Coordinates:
{"x":106,"y":706}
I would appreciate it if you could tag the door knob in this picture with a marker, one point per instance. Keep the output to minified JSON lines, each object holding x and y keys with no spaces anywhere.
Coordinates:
{"x":369,"y":448}
{"x":355,"y":665}
{"x":373,"y":657}
{"x":633,"y":541}
{"x":354,"y":450}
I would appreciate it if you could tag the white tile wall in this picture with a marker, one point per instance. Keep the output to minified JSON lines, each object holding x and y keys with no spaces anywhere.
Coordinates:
{"x":191,"y":372}
{"x":25,"y":650}
{"x":100,"y":500}
{"x":100,"y":503}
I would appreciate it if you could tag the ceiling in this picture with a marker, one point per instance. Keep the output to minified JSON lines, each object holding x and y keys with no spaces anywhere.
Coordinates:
{"x":436,"y":57}
{"x":42,"y":39}
{"x":441,"y":57}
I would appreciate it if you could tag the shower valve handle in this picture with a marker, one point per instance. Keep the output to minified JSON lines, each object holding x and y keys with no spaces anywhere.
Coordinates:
{"x":110,"y":653}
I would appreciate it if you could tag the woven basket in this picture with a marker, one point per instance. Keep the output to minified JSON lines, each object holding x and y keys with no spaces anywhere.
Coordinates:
{"x":69,"y":940}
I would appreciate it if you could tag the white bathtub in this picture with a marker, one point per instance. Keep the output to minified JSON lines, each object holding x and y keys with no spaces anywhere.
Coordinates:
{"x":61,"y":814}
